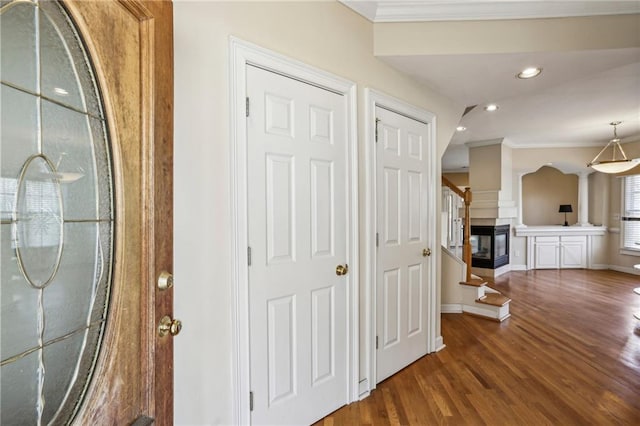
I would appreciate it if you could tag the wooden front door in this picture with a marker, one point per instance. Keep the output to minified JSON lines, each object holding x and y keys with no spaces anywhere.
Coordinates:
{"x":47,"y":216}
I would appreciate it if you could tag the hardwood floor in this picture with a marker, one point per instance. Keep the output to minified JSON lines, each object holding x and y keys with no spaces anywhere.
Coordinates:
{"x":569,"y":355}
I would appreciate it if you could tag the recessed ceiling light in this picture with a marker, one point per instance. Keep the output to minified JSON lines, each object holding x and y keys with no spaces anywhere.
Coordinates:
{"x":461,"y":128}
{"x":60,"y":91}
{"x":529,"y":73}
{"x":491,"y":107}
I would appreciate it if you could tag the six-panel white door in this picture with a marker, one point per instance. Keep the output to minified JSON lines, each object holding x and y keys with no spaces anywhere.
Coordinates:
{"x":297,"y":204}
{"x":402,"y":208}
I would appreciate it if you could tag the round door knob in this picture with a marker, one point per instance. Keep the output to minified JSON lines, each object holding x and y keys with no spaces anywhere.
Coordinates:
{"x":169,"y":326}
{"x":426,"y":252}
{"x":342,"y":269}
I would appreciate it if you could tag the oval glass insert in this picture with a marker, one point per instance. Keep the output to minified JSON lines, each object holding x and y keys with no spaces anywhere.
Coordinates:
{"x":38,"y":221}
{"x":57,"y":215}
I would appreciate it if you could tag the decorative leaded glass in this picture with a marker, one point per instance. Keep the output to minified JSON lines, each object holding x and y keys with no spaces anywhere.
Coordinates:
{"x":57,"y":215}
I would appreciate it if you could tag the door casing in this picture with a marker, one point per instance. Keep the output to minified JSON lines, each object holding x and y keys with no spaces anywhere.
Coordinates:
{"x":375,"y":99}
{"x":241,"y":54}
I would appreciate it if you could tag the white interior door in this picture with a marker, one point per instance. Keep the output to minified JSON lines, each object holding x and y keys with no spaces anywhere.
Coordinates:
{"x":297,"y":224}
{"x":402,"y":222}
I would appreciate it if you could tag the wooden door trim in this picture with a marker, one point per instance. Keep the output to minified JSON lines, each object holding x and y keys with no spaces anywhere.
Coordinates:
{"x":155,"y":19}
{"x":375,"y":99}
{"x":243,"y":54}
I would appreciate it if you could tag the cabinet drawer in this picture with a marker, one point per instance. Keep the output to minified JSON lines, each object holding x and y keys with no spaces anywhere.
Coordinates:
{"x":547,"y":239}
{"x":574,"y":239}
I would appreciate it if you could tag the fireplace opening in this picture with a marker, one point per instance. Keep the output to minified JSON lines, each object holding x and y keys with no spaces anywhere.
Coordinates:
{"x":489,"y":246}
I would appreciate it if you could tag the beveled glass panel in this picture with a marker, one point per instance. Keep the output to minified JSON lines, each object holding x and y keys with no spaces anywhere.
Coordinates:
{"x":69,"y":300}
{"x":60,"y":362}
{"x":38,"y":222}
{"x":19,"y":384}
{"x":67,"y":141}
{"x":54,"y":383}
{"x":18,"y":65}
{"x":102,"y":159}
{"x":18,"y":302}
{"x":18,"y":141}
{"x":103,"y":271}
{"x":59,"y":78}
{"x":66,"y":74}
{"x":57,"y":215}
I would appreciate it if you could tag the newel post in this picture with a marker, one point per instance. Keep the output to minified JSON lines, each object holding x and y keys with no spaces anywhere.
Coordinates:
{"x":467,"y":231}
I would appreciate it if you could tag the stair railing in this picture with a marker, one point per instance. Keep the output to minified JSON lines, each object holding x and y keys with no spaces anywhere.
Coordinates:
{"x":466,"y":244}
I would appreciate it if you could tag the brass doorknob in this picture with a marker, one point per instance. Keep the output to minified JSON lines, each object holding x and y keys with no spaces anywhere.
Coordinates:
{"x":426,"y":252}
{"x":342,"y":269}
{"x":169,"y":326}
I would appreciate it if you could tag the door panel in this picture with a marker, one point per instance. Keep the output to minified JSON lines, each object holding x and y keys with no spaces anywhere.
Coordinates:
{"x":402,"y":222}
{"x":130,"y":46}
{"x":297,"y":234}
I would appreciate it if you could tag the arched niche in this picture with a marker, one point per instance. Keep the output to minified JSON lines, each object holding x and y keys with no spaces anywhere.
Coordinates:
{"x":542,"y":193}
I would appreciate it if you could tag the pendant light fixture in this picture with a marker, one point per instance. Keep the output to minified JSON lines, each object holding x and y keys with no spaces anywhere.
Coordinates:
{"x":614,"y":165}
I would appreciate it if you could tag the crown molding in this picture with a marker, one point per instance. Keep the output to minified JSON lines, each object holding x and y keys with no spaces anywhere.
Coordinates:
{"x":468,"y":10}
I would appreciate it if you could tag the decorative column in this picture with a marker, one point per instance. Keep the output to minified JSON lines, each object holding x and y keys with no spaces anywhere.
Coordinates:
{"x":519,"y":219}
{"x":583,"y":199}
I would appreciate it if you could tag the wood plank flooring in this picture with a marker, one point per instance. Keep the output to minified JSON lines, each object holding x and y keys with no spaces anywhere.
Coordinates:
{"x":569,"y":355}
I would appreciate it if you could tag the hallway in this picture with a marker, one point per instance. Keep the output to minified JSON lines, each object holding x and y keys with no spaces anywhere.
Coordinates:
{"x":570,"y":354}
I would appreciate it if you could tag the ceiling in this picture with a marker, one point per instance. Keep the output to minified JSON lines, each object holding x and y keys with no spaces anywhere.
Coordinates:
{"x":570,"y":104}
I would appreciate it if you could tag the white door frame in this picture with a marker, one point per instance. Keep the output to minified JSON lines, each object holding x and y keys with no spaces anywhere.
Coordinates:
{"x":375,"y":99}
{"x":241,"y":54}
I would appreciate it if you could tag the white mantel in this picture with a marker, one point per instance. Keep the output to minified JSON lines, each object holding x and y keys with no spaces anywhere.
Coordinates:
{"x":558,"y":247}
{"x":557,"y":230}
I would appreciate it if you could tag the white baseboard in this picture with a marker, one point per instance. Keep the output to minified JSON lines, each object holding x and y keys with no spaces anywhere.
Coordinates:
{"x":518,"y":267}
{"x":628,"y":270}
{"x":600,"y":266}
{"x":440,"y":344}
{"x":363,"y":389}
{"x":451,"y":308}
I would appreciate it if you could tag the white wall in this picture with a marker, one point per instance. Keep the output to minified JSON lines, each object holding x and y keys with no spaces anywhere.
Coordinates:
{"x":323,"y":34}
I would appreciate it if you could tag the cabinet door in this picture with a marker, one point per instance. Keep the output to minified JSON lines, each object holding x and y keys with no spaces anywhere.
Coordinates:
{"x":573,"y":253}
{"x":546,"y":256}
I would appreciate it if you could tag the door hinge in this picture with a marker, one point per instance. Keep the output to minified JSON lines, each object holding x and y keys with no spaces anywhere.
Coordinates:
{"x":376,"y":342}
{"x":247,"y":106}
{"x":377,"y":239}
{"x":377,"y":121}
{"x":249,"y":255}
{"x":251,"y":401}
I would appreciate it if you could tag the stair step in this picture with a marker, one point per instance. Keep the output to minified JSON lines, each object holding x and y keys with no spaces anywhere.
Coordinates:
{"x":475,"y":282}
{"x":495,"y":299}
{"x":502,"y":318}
{"x":636,"y":290}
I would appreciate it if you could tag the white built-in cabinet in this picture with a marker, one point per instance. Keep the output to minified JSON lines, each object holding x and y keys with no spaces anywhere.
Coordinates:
{"x":560,"y":247}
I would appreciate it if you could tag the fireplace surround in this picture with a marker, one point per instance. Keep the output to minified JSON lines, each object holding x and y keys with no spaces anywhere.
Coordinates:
{"x":489,"y":246}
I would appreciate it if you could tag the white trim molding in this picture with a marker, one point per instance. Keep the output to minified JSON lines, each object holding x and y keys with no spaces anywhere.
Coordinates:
{"x":451,"y":308}
{"x":477,"y":10}
{"x":241,"y":55}
{"x":373,"y":99}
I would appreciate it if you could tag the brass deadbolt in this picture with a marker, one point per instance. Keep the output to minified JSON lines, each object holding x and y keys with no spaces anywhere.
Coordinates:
{"x":169,"y":326}
{"x":165,"y":281}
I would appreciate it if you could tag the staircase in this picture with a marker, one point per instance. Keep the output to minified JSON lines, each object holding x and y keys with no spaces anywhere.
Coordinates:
{"x":477,"y":298}
{"x":480,"y":300}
